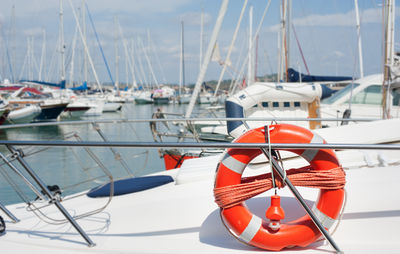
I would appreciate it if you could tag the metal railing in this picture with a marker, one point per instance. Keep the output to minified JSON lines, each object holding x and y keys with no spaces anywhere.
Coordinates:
{"x":147,"y":120}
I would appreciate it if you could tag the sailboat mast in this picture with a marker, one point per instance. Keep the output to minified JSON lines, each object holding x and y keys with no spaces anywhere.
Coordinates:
{"x":43,"y":55}
{"x":30,"y":57}
{"x":146,"y":51}
{"x":72,"y":65}
{"x":62,"y":45}
{"x":228,"y":55}
{"x":250,"y":73}
{"x":360,"y":56}
{"x":13,"y":44}
{"x":287,"y":36}
{"x":182,"y":62}
{"x":201,"y":37}
{"x":388,"y":55}
{"x":116,"y":51}
{"x":207,"y":58}
{"x":283,"y":48}
{"x":85,"y":67}
{"x":86,"y":48}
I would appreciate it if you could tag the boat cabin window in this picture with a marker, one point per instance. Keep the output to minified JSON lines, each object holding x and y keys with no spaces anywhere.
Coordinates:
{"x":264,"y":104}
{"x":286,"y":104}
{"x":275,"y":104}
{"x":340,"y":94}
{"x":297,"y":104}
{"x":396,"y":97}
{"x":370,"y":95}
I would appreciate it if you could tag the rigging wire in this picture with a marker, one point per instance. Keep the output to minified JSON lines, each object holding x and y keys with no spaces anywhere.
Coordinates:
{"x":98,"y":42}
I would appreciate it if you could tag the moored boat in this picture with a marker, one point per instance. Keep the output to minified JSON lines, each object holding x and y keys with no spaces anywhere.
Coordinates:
{"x":23,"y":115}
{"x":112,"y":106}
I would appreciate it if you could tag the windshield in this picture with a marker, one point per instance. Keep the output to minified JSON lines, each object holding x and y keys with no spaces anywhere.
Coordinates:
{"x":339,"y":94}
{"x":371,"y":95}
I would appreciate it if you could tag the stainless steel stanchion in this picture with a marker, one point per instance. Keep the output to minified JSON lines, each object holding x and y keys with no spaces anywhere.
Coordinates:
{"x":48,"y":193}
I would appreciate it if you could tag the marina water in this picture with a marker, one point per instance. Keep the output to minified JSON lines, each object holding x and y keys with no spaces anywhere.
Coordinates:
{"x":68,"y":166}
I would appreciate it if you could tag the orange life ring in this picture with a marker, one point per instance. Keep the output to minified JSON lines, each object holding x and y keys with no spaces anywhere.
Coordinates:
{"x":253,"y":230}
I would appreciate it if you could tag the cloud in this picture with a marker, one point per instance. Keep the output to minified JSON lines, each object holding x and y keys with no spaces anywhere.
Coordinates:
{"x":194,"y":18}
{"x":24,"y":8}
{"x":338,"y":54}
{"x":36,"y":31}
{"x":137,"y":6}
{"x":347,"y":19}
{"x":226,"y":49}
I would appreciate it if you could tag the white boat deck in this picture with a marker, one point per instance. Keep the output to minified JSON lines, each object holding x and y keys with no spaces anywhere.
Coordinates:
{"x":183,"y":218}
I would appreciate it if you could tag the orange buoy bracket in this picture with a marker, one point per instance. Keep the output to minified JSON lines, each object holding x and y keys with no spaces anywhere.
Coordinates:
{"x":275,"y":213}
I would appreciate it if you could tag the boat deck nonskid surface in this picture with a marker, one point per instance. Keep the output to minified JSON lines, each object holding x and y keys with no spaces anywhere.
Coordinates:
{"x":184,"y":218}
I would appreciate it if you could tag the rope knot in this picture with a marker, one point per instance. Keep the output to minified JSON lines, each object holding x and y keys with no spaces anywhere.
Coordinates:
{"x":279,"y":183}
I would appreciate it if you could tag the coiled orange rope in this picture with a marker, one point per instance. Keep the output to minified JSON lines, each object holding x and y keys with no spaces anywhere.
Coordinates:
{"x":232,"y":195}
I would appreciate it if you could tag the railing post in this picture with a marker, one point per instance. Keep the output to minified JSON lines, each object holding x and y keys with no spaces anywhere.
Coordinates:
{"x":117,"y":155}
{"x":8,"y":213}
{"x":17,"y":155}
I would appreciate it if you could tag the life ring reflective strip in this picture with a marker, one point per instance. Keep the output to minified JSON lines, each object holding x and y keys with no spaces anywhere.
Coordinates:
{"x":253,"y":230}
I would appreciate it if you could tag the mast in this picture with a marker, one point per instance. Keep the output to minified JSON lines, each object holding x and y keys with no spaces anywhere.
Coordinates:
{"x":207,"y":57}
{"x":86,"y":48}
{"x":85,"y":67}
{"x":43,"y":55}
{"x":116,"y":51}
{"x":30,"y":57}
{"x":72,"y":65}
{"x":182,"y":62}
{"x":133,"y":67}
{"x":287,"y":35}
{"x":13,"y":43}
{"x":283,"y":45}
{"x":360,"y":56}
{"x":255,"y":36}
{"x":256,"y":59}
{"x":141,"y":68}
{"x":250,"y":73}
{"x":155,"y":55}
{"x":201,"y":37}
{"x":228,"y":55}
{"x":284,"y":40}
{"x":145,"y":50}
{"x":389,"y":11}
{"x":61,"y":39}
{"x":130,"y":60}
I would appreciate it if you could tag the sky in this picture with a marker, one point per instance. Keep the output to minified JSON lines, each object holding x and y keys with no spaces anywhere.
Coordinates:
{"x":145,"y":37}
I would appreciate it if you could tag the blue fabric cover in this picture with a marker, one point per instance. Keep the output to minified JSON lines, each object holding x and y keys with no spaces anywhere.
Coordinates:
{"x":130,"y":185}
{"x":294,"y":76}
{"x":233,"y":110}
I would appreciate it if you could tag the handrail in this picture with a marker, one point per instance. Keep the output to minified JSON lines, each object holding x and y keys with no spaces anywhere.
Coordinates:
{"x":127,"y":120}
{"x":126,"y":144}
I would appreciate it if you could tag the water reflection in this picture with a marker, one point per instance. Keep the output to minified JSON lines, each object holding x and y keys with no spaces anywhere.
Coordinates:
{"x":67,"y":166}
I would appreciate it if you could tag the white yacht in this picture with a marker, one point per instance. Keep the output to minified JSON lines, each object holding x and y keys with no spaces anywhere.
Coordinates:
{"x":175,"y":211}
{"x":363,"y":98}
